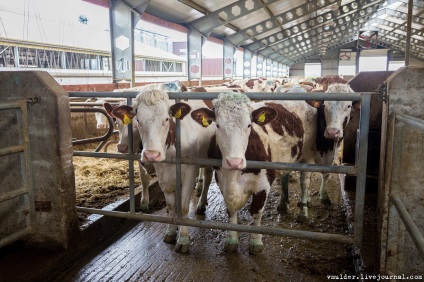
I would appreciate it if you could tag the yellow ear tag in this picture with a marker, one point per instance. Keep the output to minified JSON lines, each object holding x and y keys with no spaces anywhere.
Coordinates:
{"x":205,"y":122}
{"x":126,"y":120}
{"x":261,"y":118}
{"x":178,"y":114}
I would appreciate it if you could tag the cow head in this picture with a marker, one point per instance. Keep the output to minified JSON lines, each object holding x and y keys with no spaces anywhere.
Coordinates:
{"x":233,"y":116}
{"x":154,"y":123}
{"x":337,"y":113}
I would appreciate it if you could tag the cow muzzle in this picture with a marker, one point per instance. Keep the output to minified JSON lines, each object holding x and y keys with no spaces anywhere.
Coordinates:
{"x":333,"y":133}
{"x":122,"y":148}
{"x":152,"y":156}
{"x":235,"y":163}
{"x":101,"y":125}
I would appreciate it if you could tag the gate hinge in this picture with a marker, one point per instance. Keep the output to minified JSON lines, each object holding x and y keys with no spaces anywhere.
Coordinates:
{"x":382,"y":90}
{"x":34,"y":100}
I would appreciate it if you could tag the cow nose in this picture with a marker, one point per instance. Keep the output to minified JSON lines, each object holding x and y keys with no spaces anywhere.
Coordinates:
{"x":235,"y":163}
{"x":101,"y":125}
{"x":333,"y":133}
{"x":122,"y":148}
{"x":152,"y":156}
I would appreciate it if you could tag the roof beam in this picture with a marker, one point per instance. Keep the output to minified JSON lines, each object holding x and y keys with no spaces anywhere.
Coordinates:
{"x":209,"y":22}
{"x":293,"y":46}
{"x":278,"y":20}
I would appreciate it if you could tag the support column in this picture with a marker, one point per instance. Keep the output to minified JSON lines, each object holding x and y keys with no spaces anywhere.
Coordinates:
{"x":194,"y":54}
{"x":260,"y":60}
{"x":247,"y":63}
{"x":274,"y":69}
{"x":228,"y":63}
{"x":16,"y":56}
{"x":122,"y":22}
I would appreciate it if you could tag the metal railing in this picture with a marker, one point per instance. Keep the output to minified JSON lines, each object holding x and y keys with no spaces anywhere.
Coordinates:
{"x":359,"y":169}
{"x":396,"y":206}
{"x":23,"y":149}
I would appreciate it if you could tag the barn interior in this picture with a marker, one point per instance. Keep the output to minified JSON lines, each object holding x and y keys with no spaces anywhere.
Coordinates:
{"x":43,"y":236}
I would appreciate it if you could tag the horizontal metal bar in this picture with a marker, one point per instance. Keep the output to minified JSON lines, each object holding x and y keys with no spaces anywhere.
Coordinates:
{"x":86,"y":104}
{"x":13,"y":194}
{"x":15,"y":236}
{"x":127,"y":94}
{"x":350,"y":170}
{"x":106,"y":155}
{"x":274,"y":96}
{"x":252,"y":95}
{"x":300,"y":234}
{"x":12,"y":150}
{"x":409,"y":223}
{"x":410,"y":120}
{"x":11,"y":105}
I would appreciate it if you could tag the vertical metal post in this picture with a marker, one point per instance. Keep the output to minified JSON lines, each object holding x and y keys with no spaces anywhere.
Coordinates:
{"x":393,"y":220}
{"x":178,"y":183}
{"x":260,"y":65}
{"x":362,"y":169}
{"x":408,"y":33}
{"x":194,"y":55}
{"x":247,"y":63}
{"x":228,"y":58}
{"x":131,"y":162}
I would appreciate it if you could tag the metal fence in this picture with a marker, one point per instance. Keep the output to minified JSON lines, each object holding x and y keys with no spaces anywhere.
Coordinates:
{"x":397,"y":208}
{"x":359,"y":169}
{"x":26,"y":190}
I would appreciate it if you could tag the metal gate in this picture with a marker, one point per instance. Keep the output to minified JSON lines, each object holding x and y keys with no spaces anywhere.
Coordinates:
{"x":397,"y":209}
{"x":26,"y":190}
{"x":358,"y":170}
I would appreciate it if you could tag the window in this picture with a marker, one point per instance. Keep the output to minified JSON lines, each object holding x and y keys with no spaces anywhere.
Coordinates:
{"x":347,"y":62}
{"x":394,"y":65}
{"x":312,"y":69}
{"x":373,"y":60}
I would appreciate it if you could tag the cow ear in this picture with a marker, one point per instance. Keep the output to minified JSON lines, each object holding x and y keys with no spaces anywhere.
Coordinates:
{"x":124,"y":113}
{"x":357,"y":105}
{"x":109,"y":108}
{"x":315,"y":103}
{"x":203,"y":116}
{"x":264,"y":115}
{"x":179,"y":110}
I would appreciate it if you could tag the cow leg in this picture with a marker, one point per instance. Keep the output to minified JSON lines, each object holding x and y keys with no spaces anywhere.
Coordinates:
{"x":256,"y":210}
{"x":203,"y":201}
{"x":232,"y":241}
{"x":305,"y":198}
{"x":171,"y":230}
{"x":323,"y":189}
{"x":145,"y":181}
{"x":200,"y":181}
{"x":284,"y":200}
{"x":188,"y":180}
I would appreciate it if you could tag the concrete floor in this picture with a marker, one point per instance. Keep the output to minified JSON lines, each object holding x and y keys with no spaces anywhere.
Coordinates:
{"x":137,"y":252}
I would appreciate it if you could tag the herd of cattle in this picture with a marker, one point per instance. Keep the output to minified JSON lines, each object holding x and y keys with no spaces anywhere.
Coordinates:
{"x":235,"y":129}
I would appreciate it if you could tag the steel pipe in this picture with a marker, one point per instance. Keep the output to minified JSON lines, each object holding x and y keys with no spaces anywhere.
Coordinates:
{"x":409,"y":223}
{"x":94,"y":139}
{"x":13,"y":194}
{"x":300,"y":234}
{"x":410,"y":120}
{"x":15,"y":236}
{"x":12,"y":150}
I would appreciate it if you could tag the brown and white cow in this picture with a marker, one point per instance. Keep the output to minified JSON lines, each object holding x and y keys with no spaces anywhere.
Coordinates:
{"x":155,"y":115}
{"x":263,"y":131}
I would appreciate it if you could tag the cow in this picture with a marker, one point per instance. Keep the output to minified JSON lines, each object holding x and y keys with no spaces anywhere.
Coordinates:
{"x":262,"y":131}
{"x":155,"y":115}
{"x":324,"y":82}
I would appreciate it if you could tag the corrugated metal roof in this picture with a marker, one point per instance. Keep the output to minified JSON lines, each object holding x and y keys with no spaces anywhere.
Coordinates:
{"x":292,"y":30}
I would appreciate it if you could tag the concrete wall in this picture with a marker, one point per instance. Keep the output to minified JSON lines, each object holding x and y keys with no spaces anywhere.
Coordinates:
{"x":51,"y":160}
{"x":398,"y":254}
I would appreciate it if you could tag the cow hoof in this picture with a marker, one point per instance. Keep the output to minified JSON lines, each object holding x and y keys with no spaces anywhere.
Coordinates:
{"x":255,"y":247}
{"x":201,"y":210}
{"x":302,"y":218}
{"x":181,"y":248}
{"x":170,"y":238}
{"x":145,"y":208}
{"x":303,"y":205}
{"x":231,"y":245}
{"x":283,"y":209}
{"x":326,"y":202}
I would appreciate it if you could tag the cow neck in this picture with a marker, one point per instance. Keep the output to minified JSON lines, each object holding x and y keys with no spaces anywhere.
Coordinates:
{"x":172,"y":136}
{"x":323,"y":144}
{"x":286,"y":122}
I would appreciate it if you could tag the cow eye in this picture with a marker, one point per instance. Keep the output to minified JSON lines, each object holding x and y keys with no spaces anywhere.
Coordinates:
{"x":249,"y":126}
{"x":167,"y":119}
{"x":217,"y":126}
{"x":349,"y":106}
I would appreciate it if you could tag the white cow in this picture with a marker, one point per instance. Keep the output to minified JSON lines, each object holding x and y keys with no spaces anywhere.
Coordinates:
{"x":155,"y":115}
{"x":263,"y":131}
